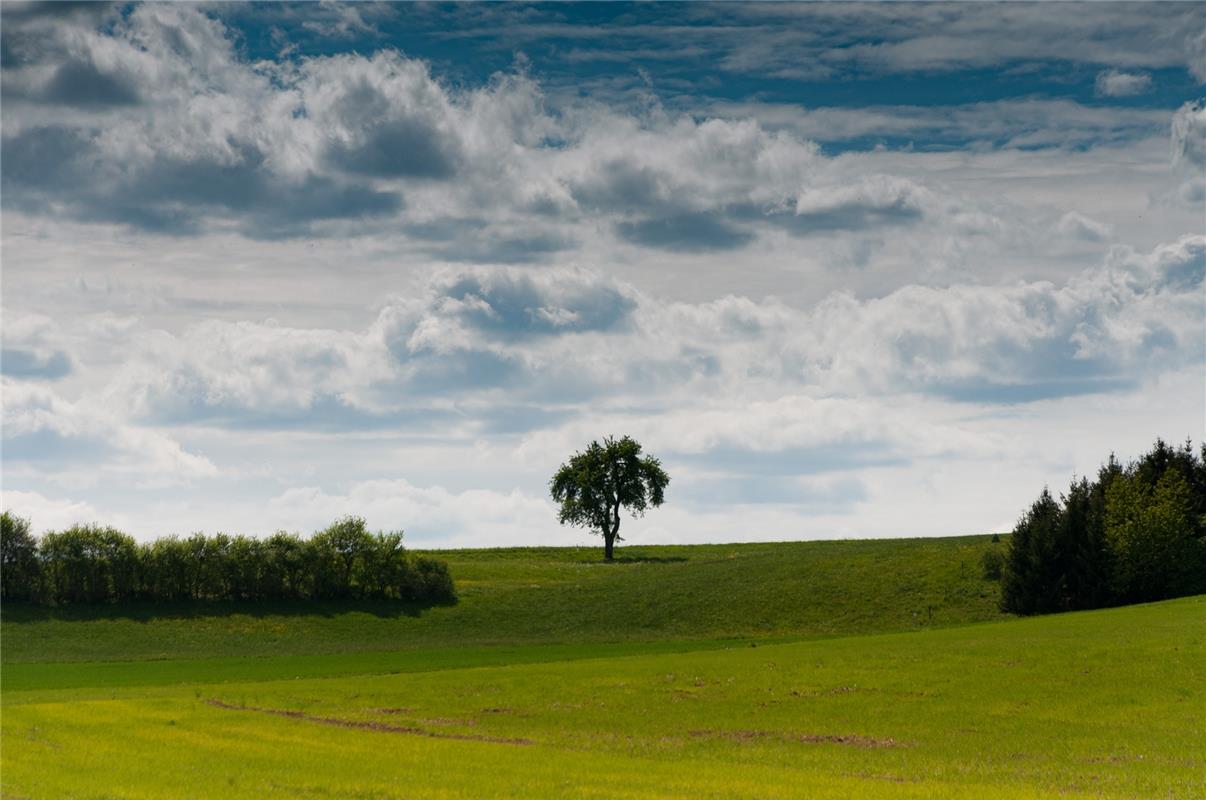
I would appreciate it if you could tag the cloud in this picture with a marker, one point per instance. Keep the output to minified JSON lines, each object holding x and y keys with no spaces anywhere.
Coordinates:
{"x":1078,"y":226}
{"x":689,"y":232}
{"x":469,"y":332}
{"x":1013,"y":122}
{"x":282,"y":148}
{"x":559,"y":344}
{"x":1180,"y":266}
{"x":32,"y":364}
{"x":59,"y":167}
{"x":32,"y":349}
{"x":516,"y":305}
{"x":402,"y":148}
{"x":428,"y":515}
{"x":342,"y":21}
{"x":496,"y":171}
{"x":874,"y":201}
{"x":824,"y":41}
{"x":1189,"y":135}
{"x":381,"y":116}
{"x":1113,"y":83}
{"x":77,"y":83}
{"x":69,"y":440}
{"x":46,"y":513}
{"x":477,"y":241}
{"x":810,"y":496}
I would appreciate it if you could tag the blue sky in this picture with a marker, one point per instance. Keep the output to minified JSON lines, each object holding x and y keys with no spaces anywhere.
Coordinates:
{"x":848,"y":269}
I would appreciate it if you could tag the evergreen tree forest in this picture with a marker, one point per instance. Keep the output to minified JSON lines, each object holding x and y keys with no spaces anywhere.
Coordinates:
{"x":1134,"y":534}
{"x":95,"y":564}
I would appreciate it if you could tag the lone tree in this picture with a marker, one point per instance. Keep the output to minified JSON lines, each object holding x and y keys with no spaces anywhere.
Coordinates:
{"x":595,"y":484}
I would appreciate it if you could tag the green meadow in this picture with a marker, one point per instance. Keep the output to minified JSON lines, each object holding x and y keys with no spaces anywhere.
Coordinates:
{"x":828,"y":669}
{"x":522,"y":596}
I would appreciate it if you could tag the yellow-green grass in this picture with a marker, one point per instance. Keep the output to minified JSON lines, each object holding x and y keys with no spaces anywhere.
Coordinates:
{"x":1096,"y":704}
{"x":558,"y":596}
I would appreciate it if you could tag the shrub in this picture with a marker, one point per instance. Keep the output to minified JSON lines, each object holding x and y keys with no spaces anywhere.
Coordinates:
{"x":19,"y":569}
{"x":435,"y":580}
{"x":94,"y":564}
{"x":993,"y":562}
{"x":89,"y":564}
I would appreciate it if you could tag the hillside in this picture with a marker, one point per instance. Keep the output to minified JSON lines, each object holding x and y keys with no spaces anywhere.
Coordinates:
{"x":1100,"y":704}
{"x":559,"y":596}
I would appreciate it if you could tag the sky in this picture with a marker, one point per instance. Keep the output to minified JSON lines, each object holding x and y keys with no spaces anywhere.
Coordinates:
{"x":866,"y":270}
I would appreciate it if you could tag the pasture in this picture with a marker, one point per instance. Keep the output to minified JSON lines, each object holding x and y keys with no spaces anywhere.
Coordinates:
{"x":603,"y":681}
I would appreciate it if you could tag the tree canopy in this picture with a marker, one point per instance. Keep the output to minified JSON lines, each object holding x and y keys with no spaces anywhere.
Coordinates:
{"x":596,"y":483}
{"x":1135,"y":534}
{"x":97,"y":564}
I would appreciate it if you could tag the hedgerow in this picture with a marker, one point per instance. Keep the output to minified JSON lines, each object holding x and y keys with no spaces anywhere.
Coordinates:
{"x":96,"y":564}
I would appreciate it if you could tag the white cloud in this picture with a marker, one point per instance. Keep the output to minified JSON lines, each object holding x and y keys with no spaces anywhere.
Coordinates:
{"x":78,"y":440}
{"x":251,"y":277}
{"x":1077,"y":226}
{"x":430,"y":516}
{"x":368,"y":144}
{"x":1114,"y":83}
{"x":46,"y":513}
{"x":821,"y":41}
{"x":573,"y":339}
{"x":1029,"y":122}
{"x":1189,"y":152}
{"x":1189,"y":135}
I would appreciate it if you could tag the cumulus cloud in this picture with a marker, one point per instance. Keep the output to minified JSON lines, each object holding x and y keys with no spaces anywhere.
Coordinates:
{"x":31,"y":349}
{"x":45,"y":513}
{"x":1115,"y":83}
{"x":561,"y":338}
{"x":514,"y":305}
{"x":1189,"y":135}
{"x":742,"y":284}
{"x":871,"y":202}
{"x":381,"y":116}
{"x":347,"y":143}
{"x":70,"y":439}
{"x":429,"y":515}
{"x":1180,"y":266}
{"x":1189,"y":151}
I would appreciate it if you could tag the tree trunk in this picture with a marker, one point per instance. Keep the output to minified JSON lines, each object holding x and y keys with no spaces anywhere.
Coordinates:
{"x":609,"y":541}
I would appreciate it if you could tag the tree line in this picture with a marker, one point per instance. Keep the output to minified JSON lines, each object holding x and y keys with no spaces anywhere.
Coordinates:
{"x":95,"y":564}
{"x":1135,"y":534}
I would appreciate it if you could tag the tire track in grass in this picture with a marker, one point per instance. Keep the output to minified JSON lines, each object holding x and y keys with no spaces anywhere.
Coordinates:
{"x":365,"y":725}
{"x":853,"y":740}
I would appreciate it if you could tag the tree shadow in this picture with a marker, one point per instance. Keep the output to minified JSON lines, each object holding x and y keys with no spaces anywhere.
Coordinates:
{"x":639,"y":559}
{"x":149,"y":611}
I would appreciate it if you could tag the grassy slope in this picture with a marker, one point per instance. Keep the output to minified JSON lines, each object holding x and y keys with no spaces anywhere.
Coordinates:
{"x":559,"y":595}
{"x":1097,"y":704}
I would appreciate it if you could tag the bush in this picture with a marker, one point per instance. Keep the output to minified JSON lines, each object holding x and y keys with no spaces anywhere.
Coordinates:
{"x":93,"y":564}
{"x":20,"y":574}
{"x":89,"y":564}
{"x":993,"y":562}
{"x":436,"y":581}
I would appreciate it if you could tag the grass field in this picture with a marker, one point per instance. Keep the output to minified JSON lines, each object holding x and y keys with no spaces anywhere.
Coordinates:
{"x":559,"y":595}
{"x":1096,"y":704}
